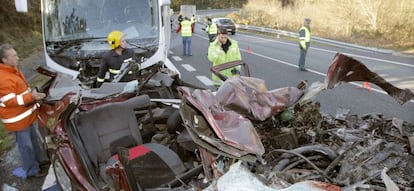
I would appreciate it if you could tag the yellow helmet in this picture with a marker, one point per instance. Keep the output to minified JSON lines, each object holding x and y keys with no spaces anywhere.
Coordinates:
{"x":114,"y":39}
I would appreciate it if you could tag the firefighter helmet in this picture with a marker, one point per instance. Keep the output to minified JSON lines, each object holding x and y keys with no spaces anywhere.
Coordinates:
{"x":114,"y":39}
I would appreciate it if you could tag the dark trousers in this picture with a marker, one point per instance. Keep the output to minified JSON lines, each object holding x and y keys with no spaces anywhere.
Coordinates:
{"x":212,"y":37}
{"x":302,"y":57}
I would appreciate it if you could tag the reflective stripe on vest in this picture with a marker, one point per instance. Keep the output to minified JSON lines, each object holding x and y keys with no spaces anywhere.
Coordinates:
{"x":21,"y":116}
{"x":186,"y":28}
{"x":113,"y":71}
{"x":307,"y":37}
{"x":100,"y":79}
{"x":10,"y":96}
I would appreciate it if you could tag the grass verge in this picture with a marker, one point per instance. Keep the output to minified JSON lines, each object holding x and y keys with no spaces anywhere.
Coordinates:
{"x":6,"y":139}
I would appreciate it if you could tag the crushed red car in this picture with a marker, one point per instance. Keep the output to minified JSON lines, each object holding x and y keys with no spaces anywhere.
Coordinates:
{"x":166,"y":134}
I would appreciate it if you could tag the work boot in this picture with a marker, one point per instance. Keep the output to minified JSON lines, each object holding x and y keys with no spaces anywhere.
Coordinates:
{"x":41,"y":173}
{"x":45,"y":164}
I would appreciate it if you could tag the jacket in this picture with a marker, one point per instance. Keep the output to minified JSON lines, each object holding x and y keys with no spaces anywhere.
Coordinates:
{"x":18,"y":109}
{"x":304,"y":37}
{"x":112,"y":62}
{"x":217,"y":56}
{"x":211,"y":29}
{"x":186,"y":28}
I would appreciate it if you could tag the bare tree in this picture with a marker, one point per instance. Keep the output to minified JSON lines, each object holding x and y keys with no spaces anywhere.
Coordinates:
{"x":370,"y":9}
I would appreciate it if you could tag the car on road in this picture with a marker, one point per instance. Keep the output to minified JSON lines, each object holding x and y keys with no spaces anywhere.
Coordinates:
{"x":226,"y":23}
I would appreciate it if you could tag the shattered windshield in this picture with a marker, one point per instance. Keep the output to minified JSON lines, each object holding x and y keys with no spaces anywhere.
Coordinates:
{"x":79,"y":19}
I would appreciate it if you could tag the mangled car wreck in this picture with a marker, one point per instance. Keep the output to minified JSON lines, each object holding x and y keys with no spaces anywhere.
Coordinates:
{"x":168,"y":135}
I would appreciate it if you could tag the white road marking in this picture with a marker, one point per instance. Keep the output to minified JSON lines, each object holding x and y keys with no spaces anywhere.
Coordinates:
{"x":310,"y":70}
{"x":281,"y":61}
{"x":177,"y":58}
{"x":320,"y":73}
{"x":206,"y":81}
{"x":188,"y":67}
{"x":330,"y":51}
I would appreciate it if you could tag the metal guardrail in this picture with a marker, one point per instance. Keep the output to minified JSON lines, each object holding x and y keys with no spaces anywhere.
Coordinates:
{"x":314,"y":38}
{"x":292,"y":34}
{"x":267,"y":30}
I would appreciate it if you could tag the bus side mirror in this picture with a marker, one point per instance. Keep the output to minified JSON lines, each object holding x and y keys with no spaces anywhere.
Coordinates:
{"x":21,"y":6}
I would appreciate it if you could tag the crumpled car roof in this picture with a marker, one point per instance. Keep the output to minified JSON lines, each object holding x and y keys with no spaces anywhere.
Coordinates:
{"x":347,"y":69}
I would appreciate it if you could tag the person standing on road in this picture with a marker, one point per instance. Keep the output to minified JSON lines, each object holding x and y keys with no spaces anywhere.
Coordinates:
{"x":180,"y":17}
{"x":193,"y":21}
{"x":187,"y":30}
{"x":113,"y":60}
{"x":223,"y":50}
{"x":304,"y":43}
{"x":18,"y":113}
{"x":211,"y":30}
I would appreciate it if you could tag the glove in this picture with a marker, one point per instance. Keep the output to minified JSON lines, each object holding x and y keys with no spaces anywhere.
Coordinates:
{"x":303,"y":44}
{"x":135,"y":67}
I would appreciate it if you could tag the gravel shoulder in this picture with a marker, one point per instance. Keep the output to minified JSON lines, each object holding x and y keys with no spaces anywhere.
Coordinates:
{"x":9,"y":162}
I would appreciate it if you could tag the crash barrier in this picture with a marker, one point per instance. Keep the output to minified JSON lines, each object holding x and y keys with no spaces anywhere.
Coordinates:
{"x":314,"y":38}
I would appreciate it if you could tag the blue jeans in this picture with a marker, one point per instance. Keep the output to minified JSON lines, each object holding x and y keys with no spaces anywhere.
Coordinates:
{"x":187,"y":45}
{"x":31,"y":151}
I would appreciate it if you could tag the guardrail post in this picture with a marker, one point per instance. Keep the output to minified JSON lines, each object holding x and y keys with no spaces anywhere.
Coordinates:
{"x":277,"y":26}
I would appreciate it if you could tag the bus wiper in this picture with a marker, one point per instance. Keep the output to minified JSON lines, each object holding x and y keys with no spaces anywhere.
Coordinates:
{"x":70,"y":43}
{"x":147,"y":48}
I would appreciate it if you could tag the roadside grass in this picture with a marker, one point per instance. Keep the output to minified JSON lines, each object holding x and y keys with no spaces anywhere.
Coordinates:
{"x":349,"y":21}
{"x":6,"y":139}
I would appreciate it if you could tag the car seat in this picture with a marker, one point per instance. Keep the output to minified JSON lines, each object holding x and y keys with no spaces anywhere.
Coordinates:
{"x":110,"y":133}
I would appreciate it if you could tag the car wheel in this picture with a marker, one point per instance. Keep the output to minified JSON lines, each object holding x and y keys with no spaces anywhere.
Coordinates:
{"x":233,"y":32}
{"x":62,"y":178}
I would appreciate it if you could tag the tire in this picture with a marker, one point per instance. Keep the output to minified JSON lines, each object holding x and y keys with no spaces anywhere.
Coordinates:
{"x":233,"y":32}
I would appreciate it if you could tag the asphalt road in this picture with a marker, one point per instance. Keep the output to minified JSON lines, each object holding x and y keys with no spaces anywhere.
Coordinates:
{"x":275,"y":61}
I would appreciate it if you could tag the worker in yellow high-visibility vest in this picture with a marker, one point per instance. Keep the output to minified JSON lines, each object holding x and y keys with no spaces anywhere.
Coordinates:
{"x":211,"y":30}
{"x":186,"y":33}
{"x":222,"y":50}
{"x":304,"y":43}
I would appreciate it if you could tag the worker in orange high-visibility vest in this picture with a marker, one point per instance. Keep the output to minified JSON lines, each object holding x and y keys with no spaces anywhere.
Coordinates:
{"x":18,"y":113}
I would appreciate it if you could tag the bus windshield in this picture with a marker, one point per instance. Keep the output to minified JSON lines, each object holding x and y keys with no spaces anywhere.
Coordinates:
{"x":65,"y":20}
